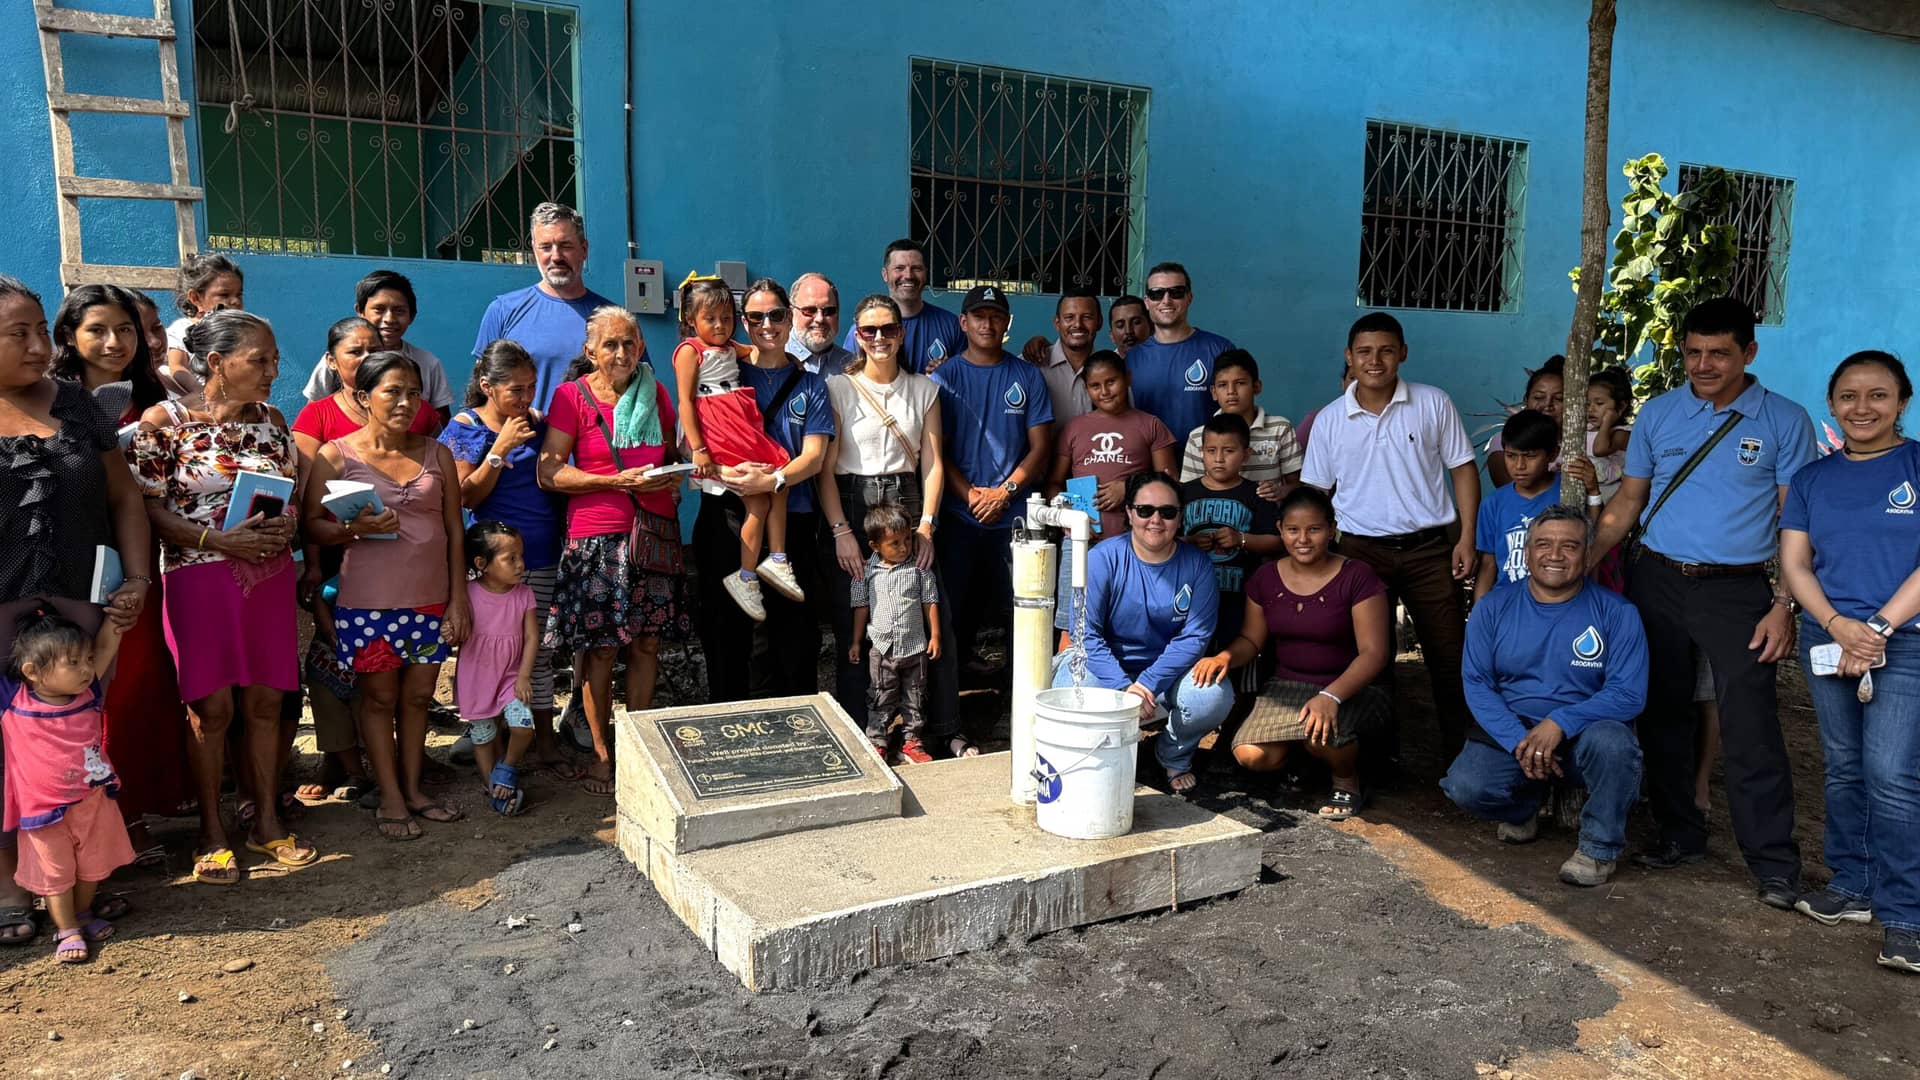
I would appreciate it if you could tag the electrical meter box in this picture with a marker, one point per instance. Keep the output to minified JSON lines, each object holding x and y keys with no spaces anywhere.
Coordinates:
{"x":647,"y":286}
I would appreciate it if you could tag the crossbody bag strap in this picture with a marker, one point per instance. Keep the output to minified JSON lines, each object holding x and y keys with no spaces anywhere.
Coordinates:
{"x":1686,"y":469}
{"x":780,"y":396}
{"x":888,"y":420}
{"x":606,"y":429}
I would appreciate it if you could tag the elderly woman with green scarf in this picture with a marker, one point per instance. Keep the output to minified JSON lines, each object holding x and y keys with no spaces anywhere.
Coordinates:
{"x":621,"y":583}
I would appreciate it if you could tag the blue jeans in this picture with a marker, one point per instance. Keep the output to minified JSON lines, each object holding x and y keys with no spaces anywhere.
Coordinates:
{"x":1873,"y":779}
{"x":1604,"y":758}
{"x":1192,"y":711}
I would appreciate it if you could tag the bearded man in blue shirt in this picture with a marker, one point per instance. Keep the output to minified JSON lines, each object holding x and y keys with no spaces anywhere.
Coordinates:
{"x":1555,"y":671}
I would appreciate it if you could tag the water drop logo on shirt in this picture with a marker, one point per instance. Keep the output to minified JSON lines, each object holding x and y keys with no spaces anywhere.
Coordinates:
{"x":1901,"y":499}
{"x":1588,"y":648}
{"x":797,"y":407}
{"x":1016,"y":398}
{"x":936,"y":352}
{"x":1183,"y":601}
{"x":1196,"y":375}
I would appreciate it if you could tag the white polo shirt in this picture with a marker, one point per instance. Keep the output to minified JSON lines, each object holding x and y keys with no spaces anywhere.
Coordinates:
{"x":1389,"y":474}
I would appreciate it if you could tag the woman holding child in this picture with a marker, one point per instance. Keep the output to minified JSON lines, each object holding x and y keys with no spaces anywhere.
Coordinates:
{"x":621,"y":582}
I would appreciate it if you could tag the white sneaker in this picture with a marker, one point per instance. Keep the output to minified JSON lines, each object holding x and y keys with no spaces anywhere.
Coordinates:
{"x":780,"y":576}
{"x":747,"y":595}
{"x":1584,"y":870}
{"x":1522,"y":833}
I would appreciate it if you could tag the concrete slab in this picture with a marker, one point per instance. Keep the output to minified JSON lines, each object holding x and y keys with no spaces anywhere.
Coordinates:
{"x":708,"y":775}
{"x":962,"y":869}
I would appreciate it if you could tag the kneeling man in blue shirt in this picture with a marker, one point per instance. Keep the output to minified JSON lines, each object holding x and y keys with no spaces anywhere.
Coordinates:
{"x":1555,"y":672}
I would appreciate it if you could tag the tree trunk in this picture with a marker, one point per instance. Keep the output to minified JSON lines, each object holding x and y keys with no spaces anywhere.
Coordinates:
{"x":1594,"y":218}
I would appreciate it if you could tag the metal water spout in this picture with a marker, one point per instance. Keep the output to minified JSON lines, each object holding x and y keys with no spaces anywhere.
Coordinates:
{"x":1031,"y":651}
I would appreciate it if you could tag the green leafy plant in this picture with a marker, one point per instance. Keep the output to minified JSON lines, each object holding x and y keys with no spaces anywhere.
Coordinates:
{"x":1672,"y":252}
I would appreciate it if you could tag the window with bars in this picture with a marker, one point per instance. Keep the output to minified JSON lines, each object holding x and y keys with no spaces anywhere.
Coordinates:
{"x":1440,"y":219}
{"x":396,"y":128}
{"x":1762,"y":218}
{"x":1032,"y":183}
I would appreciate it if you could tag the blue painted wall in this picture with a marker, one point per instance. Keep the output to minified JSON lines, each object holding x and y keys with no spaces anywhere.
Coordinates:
{"x":786,"y":147}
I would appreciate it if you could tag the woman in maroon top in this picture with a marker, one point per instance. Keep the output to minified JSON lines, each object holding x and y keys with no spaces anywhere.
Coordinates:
{"x":1324,"y":618}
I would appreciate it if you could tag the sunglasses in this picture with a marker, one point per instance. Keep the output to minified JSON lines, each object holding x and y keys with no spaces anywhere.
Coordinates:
{"x":884,"y":330}
{"x":1178,"y":292}
{"x":778,"y":314}
{"x":815,"y":312}
{"x":1144,"y":510}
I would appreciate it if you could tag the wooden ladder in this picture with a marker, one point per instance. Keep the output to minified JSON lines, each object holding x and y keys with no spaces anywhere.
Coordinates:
{"x":71,"y":188}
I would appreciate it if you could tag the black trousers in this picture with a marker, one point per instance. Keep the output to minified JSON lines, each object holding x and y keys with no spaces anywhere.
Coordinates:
{"x":745,"y":659}
{"x":1715,"y":615}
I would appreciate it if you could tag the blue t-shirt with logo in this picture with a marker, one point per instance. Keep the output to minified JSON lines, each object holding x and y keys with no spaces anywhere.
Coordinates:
{"x":1501,"y":529}
{"x":1860,"y":517}
{"x":552,"y":330}
{"x":932,"y":338}
{"x":1239,"y":508}
{"x":1581,"y":661}
{"x":985,"y":411}
{"x":1724,"y":513}
{"x":1175,"y":382}
{"x":805,"y":412}
{"x":1147,"y":623}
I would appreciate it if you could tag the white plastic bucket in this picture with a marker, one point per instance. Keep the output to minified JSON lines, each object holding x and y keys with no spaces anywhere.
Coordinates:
{"x":1084,"y":740}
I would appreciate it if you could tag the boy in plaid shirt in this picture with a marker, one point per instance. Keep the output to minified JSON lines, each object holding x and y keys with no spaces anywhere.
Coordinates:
{"x":894,"y":607}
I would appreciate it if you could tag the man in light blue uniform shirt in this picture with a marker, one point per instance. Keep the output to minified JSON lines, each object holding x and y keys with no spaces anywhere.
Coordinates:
{"x":1700,"y":581}
{"x":816,"y":325}
{"x":933,"y":334}
{"x":998,"y":420}
{"x":1555,"y":670}
{"x":549,"y":317}
{"x":1173,"y":370}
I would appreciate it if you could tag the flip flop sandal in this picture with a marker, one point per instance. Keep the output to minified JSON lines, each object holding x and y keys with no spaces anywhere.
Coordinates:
{"x":153,"y":858}
{"x":94,"y":928}
{"x":307,"y":793}
{"x":1174,"y":785}
{"x":1340,"y":805}
{"x":506,"y":776}
{"x":412,"y":831}
{"x":244,"y":813}
{"x":448,"y":811}
{"x":216,"y":867}
{"x":11,"y":917}
{"x":111,"y":906}
{"x":351,"y":790}
{"x":369,"y":797}
{"x":286,"y":851}
{"x":291,"y":806}
{"x":596,"y":785}
{"x":563,"y":769}
{"x":72,"y":947}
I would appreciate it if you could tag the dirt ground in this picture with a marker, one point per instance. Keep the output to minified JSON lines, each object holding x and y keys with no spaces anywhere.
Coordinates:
{"x":1408,"y":943}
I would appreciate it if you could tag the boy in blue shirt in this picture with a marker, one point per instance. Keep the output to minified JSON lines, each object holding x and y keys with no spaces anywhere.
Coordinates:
{"x":1532,"y":441}
{"x":1225,"y":517}
{"x":1555,"y":671}
{"x":998,"y":419}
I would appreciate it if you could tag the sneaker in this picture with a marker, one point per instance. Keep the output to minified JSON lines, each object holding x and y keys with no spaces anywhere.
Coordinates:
{"x":1832,"y":909}
{"x":1667,"y":856}
{"x":780,"y":576}
{"x":1585,"y":870}
{"x":573,"y":725}
{"x":1779,"y":893}
{"x":462,"y":751}
{"x":912,"y":751}
{"x":1900,"y":950}
{"x":1522,"y":833}
{"x":747,"y":595}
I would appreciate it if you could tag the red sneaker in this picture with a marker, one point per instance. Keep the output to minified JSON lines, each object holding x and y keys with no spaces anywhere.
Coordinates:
{"x":911,"y":750}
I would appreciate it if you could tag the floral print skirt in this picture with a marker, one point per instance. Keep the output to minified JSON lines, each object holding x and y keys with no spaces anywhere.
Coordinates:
{"x":388,"y":639}
{"x":604,"y":598}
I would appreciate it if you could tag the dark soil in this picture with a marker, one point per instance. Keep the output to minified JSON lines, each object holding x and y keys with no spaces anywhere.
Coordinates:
{"x":1336,"y":966}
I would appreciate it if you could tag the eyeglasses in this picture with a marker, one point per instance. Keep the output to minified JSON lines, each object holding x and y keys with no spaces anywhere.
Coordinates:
{"x":1178,"y":292}
{"x":887,"y":330}
{"x":1143,"y":510}
{"x":816,"y":312}
{"x":778,"y":314}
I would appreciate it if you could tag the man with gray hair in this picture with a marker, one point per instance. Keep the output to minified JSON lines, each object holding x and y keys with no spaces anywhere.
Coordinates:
{"x":816,"y":325}
{"x":549,"y":317}
{"x":1555,"y":672}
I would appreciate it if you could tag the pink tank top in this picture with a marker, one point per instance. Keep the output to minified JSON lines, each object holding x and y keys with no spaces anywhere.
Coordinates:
{"x":410,"y":572}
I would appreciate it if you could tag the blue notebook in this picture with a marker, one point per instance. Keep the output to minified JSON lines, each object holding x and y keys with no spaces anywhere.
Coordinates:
{"x":266,"y":494}
{"x":1080,"y":492}
{"x":107,"y":574}
{"x":346,"y":498}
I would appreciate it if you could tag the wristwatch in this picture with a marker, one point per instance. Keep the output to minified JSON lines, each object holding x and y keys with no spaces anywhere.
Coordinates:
{"x":1009,"y":487}
{"x":779,"y":480}
{"x":1878,"y":624}
{"x":496,"y":461}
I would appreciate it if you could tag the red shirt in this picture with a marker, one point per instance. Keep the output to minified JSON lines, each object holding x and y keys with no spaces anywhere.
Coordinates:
{"x":326,"y":421}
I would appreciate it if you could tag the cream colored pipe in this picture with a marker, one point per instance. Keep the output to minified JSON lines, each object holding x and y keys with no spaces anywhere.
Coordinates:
{"x":1031,"y":654}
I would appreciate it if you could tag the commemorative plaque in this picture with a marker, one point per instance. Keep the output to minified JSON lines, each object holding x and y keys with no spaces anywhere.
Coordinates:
{"x":747,"y":753}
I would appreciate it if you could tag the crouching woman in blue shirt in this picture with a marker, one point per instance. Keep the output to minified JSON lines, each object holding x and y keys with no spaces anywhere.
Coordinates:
{"x":1849,"y":545}
{"x":1151,"y":604}
{"x":1555,"y":672}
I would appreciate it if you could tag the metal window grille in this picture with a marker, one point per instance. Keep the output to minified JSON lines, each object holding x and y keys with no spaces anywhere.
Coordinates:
{"x":1440,"y":219}
{"x":1032,"y":183}
{"x":398,"y":128}
{"x":1762,"y":217}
